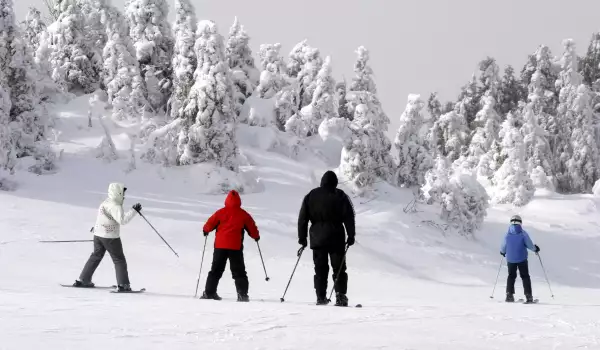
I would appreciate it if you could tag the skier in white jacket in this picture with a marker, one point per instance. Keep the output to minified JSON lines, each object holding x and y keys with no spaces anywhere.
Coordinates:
{"x":107,"y":238}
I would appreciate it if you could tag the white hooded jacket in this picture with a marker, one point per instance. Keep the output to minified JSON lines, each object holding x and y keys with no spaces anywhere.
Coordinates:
{"x":111,"y":215}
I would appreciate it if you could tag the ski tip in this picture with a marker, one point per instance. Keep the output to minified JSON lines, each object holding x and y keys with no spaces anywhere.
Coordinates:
{"x":358,"y":305}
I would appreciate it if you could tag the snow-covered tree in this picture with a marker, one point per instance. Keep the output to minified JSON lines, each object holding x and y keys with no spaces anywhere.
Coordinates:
{"x":513,"y":184}
{"x":272,"y":78}
{"x":590,"y":65}
{"x":151,"y":35}
{"x":33,"y":27}
{"x":487,"y":123}
{"x":8,"y":154}
{"x":70,"y":58}
{"x":463,"y":200}
{"x":510,"y":93}
{"x":537,"y":150}
{"x":243,"y":70}
{"x":94,"y":30}
{"x":324,"y":104}
{"x":307,"y":77}
{"x":184,"y":57}
{"x":414,"y":159}
{"x":286,"y":106}
{"x":469,"y":101}
{"x":121,"y":71}
{"x":209,"y":108}
{"x":490,"y":78}
{"x":363,"y":81}
{"x":449,"y":135}
{"x":297,"y":59}
{"x":341,"y":90}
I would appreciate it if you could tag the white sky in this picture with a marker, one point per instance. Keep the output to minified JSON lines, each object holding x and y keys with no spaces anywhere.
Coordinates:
{"x":416,"y":46}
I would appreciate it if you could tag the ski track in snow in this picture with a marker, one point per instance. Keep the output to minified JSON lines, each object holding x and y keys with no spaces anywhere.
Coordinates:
{"x":421,"y":288}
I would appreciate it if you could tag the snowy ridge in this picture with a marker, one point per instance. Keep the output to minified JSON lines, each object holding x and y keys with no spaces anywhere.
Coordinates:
{"x":422,"y":287}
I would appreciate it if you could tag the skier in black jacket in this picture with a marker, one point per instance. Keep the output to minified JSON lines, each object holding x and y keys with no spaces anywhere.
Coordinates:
{"x":329,"y":210}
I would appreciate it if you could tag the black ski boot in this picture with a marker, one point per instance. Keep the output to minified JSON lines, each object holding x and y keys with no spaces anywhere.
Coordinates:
{"x":244,"y":298}
{"x":322,"y":299}
{"x":80,"y":284}
{"x":213,"y":296}
{"x":341,"y":299}
{"x":510,"y":298}
{"x":528,"y":299}
{"x":123,"y":288}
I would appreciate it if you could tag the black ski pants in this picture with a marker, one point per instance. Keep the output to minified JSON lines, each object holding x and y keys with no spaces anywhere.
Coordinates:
{"x":115,"y":249}
{"x":523,"y":268}
{"x":237,"y":266}
{"x":321,"y":260}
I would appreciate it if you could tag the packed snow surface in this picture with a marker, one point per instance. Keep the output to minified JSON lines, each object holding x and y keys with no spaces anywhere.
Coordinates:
{"x":421,"y":287}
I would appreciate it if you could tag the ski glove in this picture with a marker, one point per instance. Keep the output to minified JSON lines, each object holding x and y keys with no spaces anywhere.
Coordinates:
{"x":303,"y":242}
{"x":205,"y":233}
{"x":503,"y":254}
{"x":137,"y":207}
{"x":537,"y":249}
{"x":350,"y":241}
{"x":257,"y":238}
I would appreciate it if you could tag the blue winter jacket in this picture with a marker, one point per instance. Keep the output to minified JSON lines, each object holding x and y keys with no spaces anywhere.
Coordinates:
{"x":515,"y":245}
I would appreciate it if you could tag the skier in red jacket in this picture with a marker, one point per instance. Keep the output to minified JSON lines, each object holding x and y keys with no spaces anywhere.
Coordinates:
{"x":230,"y":223}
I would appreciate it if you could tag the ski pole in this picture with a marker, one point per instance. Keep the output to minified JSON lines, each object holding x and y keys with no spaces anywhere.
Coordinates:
{"x":338,"y":274}
{"x":71,"y":241}
{"x":300,"y":251}
{"x":161,"y":237}
{"x":548,"y":281}
{"x":201,"y":262}
{"x":499,"y":268}
{"x":263,"y":262}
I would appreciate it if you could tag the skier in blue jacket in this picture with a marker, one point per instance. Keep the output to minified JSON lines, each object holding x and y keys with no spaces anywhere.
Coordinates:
{"x":514,"y":249}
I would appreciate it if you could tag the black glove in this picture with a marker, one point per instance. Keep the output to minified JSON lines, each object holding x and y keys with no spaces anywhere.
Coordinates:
{"x":137,"y":207}
{"x":257,"y":238}
{"x":92,"y":229}
{"x":205,"y":233}
{"x":303,"y":242}
{"x":537,"y":249}
{"x":300,"y":251}
{"x":503,"y":254}
{"x":350,"y":241}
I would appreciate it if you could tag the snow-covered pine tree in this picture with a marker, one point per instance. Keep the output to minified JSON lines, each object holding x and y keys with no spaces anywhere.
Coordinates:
{"x":590,"y":65}
{"x":297,"y":59}
{"x":469,"y":101}
{"x":489,"y":78}
{"x":209,"y":108}
{"x":184,"y":57}
{"x":33,"y":27}
{"x":434,"y":111}
{"x":324,"y":104}
{"x":308,"y":75}
{"x":94,"y":31}
{"x":449,"y":135}
{"x":414,"y":159}
{"x":8,"y":154}
{"x":510,"y":93}
{"x":513,"y":184}
{"x":583,"y":166}
{"x":121,"y":71}
{"x":537,"y":150}
{"x":487,"y":124}
{"x":341,"y":90}
{"x":272,"y":78}
{"x":244,"y":73}
{"x":72,"y":68}
{"x":151,"y":35}
{"x":363,"y":81}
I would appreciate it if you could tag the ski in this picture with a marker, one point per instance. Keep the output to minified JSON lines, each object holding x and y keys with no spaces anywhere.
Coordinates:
{"x":273,"y":301}
{"x":129,"y":291}
{"x":522,"y":301}
{"x":94,"y":287}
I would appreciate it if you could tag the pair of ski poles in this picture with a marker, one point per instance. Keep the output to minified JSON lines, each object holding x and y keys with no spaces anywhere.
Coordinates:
{"x":202,"y":263}
{"x":541,"y":263}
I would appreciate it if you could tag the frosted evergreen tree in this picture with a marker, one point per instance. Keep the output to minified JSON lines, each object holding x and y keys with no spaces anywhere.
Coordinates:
{"x":341,"y":90}
{"x":324,"y":104}
{"x":121,"y":71}
{"x":469,"y":101}
{"x":583,"y":165}
{"x":414,"y":159}
{"x":243,"y":70}
{"x":33,"y":27}
{"x":449,"y":135}
{"x":490,"y":78}
{"x":487,"y":124}
{"x":94,"y":31}
{"x":308,"y":75}
{"x":151,"y":35}
{"x":513,"y":184}
{"x":210,"y":105}
{"x":590,"y":65}
{"x":537,"y":150}
{"x":363,"y":81}
{"x":510,"y":93}
{"x":434,"y":110}
{"x":8,"y":154}
{"x":286,"y":106}
{"x":297,"y":59}
{"x":272,"y":78}
{"x":184,"y":57}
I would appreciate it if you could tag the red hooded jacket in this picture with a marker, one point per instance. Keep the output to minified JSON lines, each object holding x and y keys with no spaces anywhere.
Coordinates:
{"x":230,"y":222}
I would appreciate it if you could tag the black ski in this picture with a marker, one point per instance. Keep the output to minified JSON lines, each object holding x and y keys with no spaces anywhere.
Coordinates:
{"x":535,"y":301}
{"x":94,"y":287}
{"x":129,"y":291}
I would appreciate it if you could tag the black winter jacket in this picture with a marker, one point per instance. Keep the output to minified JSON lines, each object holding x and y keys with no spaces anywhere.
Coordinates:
{"x":329,"y":210}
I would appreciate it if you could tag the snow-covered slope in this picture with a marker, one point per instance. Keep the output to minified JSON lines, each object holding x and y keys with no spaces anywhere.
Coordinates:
{"x":421,"y":287}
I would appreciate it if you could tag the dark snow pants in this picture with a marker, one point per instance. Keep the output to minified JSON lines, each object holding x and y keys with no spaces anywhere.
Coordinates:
{"x":115,"y":249}
{"x":523,"y":268}
{"x":321,"y":260}
{"x":236,"y":265}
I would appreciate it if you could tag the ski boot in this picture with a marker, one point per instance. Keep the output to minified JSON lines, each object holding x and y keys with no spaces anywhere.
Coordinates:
{"x":213,"y":296}
{"x":243,"y":298}
{"x":81,"y":284}
{"x":528,"y":299}
{"x":510,"y":298}
{"x":341,"y":299}
{"x":322,"y":299}
{"x":123,"y":288}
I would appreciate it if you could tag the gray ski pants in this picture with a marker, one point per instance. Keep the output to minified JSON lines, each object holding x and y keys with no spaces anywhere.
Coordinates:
{"x":115,"y":249}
